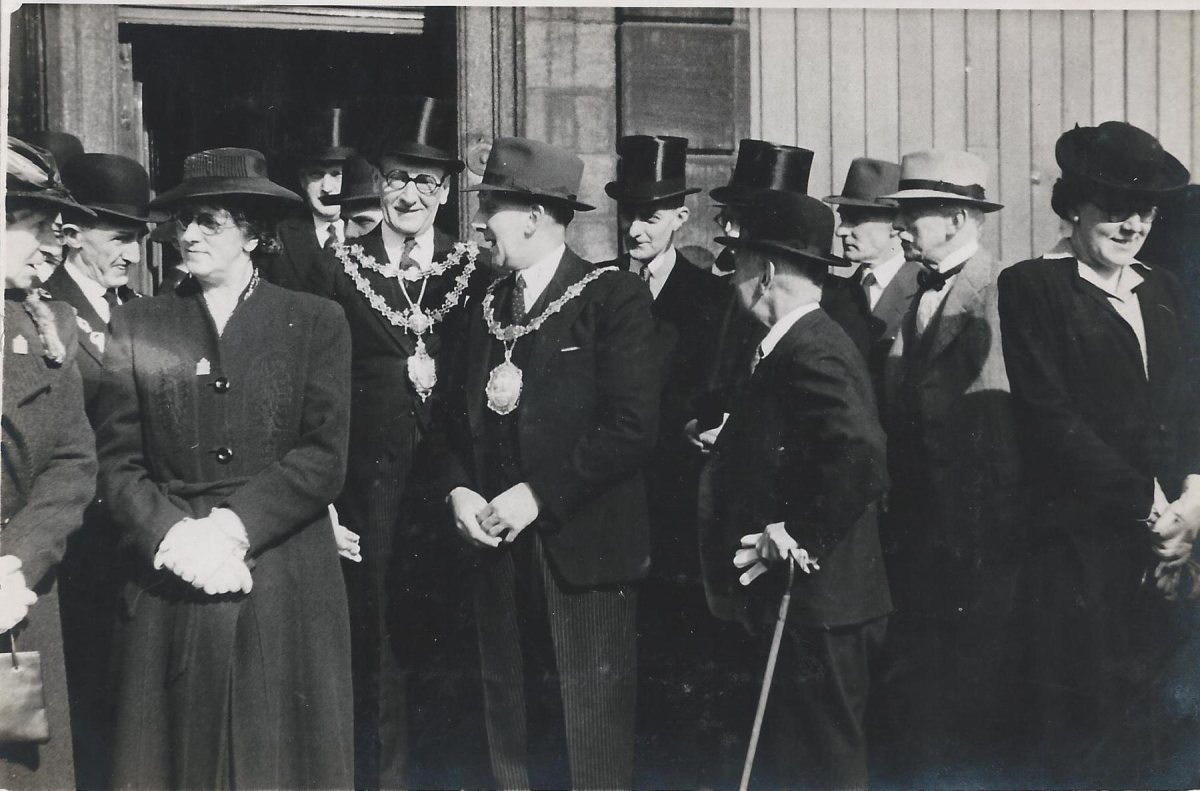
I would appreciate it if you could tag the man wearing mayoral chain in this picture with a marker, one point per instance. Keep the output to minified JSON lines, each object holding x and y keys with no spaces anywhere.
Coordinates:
{"x":552,"y":411}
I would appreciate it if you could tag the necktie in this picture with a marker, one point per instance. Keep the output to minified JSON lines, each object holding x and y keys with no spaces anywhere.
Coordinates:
{"x":406,"y":258}
{"x":929,"y":280}
{"x":868,"y":280}
{"x":646,"y":275}
{"x":517,"y":304}
{"x":330,"y":240}
{"x":110,"y":296}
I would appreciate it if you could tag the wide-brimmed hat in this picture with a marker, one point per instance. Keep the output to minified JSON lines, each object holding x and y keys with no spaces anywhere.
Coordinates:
{"x":789,"y":223}
{"x":944,"y":176}
{"x":30,"y":175}
{"x":324,"y":140}
{"x":113,"y":186}
{"x":531,"y":168}
{"x":361,"y":182}
{"x":1120,"y":157}
{"x":651,"y":168}
{"x":424,"y":129}
{"x":765,"y":166}
{"x":866,"y":181}
{"x":62,"y":145}
{"x":239,"y":173}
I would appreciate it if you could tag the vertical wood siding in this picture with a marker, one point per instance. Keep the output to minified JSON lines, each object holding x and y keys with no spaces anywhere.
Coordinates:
{"x":1003,"y":84}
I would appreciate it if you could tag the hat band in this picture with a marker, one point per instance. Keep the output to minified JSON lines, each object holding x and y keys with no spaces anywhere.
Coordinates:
{"x":507,"y":182}
{"x":973,"y":191}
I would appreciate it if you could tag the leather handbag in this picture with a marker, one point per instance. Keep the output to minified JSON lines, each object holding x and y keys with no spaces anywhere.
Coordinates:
{"x":22,"y":699}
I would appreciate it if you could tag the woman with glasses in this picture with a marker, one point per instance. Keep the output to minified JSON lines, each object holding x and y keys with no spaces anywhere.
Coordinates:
{"x":1096,"y":345}
{"x":224,"y":415}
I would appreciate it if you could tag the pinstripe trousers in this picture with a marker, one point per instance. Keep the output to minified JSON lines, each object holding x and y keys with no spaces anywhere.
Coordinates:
{"x":559,"y":671}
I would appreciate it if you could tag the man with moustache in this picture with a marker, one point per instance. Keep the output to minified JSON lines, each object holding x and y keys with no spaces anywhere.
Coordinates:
{"x":401,"y":287}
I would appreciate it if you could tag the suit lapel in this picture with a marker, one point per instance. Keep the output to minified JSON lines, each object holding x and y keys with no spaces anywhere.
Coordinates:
{"x":962,"y":303}
{"x":387,"y":288}
{"x":545,"y":341}
{"x":1097,"y":295}
{"x":896,"y":299}
{"x":63,"y":287}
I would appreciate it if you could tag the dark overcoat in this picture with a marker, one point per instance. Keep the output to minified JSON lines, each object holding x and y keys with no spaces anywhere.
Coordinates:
{"x":249,"y":691}
{"x":49,"y":476}
{"x":301,"y":264}
{"x":886,"y":319}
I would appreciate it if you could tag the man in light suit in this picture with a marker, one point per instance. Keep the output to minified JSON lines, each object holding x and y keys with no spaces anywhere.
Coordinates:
{"x":545,"y":436}
{"x":953,"y":504}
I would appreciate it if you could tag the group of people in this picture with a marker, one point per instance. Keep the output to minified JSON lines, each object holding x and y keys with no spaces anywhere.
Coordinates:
{"x":569,"y":497}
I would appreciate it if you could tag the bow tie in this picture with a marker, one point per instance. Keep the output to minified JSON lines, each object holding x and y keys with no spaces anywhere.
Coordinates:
{"x":929,"y":280}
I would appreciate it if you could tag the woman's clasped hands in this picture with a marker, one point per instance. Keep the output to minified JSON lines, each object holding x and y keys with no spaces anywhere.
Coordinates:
{"x":208,"y":553}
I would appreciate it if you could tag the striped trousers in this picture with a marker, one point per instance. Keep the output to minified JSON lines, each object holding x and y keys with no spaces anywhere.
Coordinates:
{"x":559,"y":673}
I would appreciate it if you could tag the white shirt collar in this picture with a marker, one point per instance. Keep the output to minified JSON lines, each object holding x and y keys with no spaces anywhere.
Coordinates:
{"x":90,"y":288}
{"x":957,"y":257}
{"x":1120,"y":285}
{"x":885,"y":273}
{"x":660,"y":269}
{"x":393,"y":243}
{"x":538,"y":276}
{"x":781,"y":327}
{"x":323,"y":228}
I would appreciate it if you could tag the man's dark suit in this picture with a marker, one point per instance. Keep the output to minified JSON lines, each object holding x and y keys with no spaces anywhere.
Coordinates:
{"x":301,"y":265}
{"x":585,"y":426}
{"x":886,"y":319}
{"x":803,"y":446}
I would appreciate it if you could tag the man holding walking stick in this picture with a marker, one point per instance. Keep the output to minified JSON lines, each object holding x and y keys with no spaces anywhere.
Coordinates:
{"x":800,"y":471}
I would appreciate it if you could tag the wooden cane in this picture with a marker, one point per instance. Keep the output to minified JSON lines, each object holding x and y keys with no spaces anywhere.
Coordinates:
{"x":768,"y":676}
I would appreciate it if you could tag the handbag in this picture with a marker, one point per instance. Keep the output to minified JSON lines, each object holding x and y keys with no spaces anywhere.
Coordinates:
{"x":22,"y":699}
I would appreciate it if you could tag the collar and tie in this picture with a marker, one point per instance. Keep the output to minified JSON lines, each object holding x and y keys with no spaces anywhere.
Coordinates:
{"x":333,"y":236}
{"x":110,"y":296}
{"x":929,"y":280}
{"x":645,"y":274}
{"x":517,"y":303}
{"x":406,"y":256}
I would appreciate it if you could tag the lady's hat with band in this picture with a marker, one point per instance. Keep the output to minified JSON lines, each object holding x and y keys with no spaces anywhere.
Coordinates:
{"x":958,"y":176}
{"x":30,"y":177}
{"x":1119,"y":158}
{"x":239,"y":173}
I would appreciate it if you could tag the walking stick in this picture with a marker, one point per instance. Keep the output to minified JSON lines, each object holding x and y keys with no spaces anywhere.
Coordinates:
{"x":768,"y":676}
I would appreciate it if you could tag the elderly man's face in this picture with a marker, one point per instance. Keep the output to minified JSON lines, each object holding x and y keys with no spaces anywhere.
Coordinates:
{"x":507,"y":227}
{"x":413,"y":191}
{"x":868,"y":235}
{"x":106,"y":249}
{"x":924,"y":231}
{"x":319,"y":181}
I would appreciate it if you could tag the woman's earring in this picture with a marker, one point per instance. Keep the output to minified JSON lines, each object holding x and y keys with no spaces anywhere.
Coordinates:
{"x":1075,"y":219}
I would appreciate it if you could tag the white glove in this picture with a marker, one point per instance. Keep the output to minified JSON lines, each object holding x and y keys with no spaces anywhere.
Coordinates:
{"x":15,"y":596}
{"x":770,"y":546}
{"x":208,"y":553}
{"x":345,"y":538}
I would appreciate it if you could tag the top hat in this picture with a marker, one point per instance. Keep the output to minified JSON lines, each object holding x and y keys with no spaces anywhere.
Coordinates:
{"x":424,"y":129}
{"x":651,"y":168}
{"x":944,"y":176}
{"x":227,"y":173}
{"x":866,"y":181}
{"x":111,"y":185}
{"x":790,"y":223}
{"x":62,"y":145}
{"x":325,"y":139}
{"x":30,"y":175}
{"x":520,"y":166}
{"x":1120,"y":157}
{"x":765,"y":166}
{"x":361,"y":182}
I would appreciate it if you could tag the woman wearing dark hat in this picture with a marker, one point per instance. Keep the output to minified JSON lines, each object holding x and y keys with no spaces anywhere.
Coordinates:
{"x":223,"y":421}
{"x":49,"y":470}
{"x":1096,"y":344}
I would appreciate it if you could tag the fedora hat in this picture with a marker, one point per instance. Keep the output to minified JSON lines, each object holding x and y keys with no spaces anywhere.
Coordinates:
{"x":1120,"y":157}
{"x":651,"y":168}
{"x":520,"y":166}
{"x":424,"y":129}
{"x":62,"y":145}
{"x":227,"y":173}
{"x":866,"y":181}
{"x":111,"y":185}
{"x":30,"y":175}
{"x":765,"y":166}
{"x":789,"y":223}
{"x":324,"y":140}
{"x":944,"y":176}
{"x":360,"y":182}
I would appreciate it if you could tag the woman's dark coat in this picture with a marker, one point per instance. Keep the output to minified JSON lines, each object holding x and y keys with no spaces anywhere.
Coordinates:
{"x":245,"y":691}
{"x":49,"y":476}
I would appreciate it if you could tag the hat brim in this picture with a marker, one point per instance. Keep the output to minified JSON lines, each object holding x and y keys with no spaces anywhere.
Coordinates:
{"x":731,"y":195}
{"x":864,"y":203}
{"x":130,"y":213}
{"x":937,"y":195}
{"x":257,"y":189}
{"x":353,"y":197}
{"x":56,"y":201}
{"x":423,"y":153}
{"x":574,"y":204}
{"x":768,"y":246}
{"x":615,"y":190}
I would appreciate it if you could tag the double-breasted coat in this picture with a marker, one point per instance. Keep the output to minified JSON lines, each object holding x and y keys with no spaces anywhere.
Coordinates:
{"x":241,"y":691}
{"x":49,"y":477}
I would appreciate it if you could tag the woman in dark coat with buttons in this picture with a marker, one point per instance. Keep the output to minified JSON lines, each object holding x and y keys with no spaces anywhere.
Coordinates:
{"x":224,"y":417}
{"x":1097,"y":347}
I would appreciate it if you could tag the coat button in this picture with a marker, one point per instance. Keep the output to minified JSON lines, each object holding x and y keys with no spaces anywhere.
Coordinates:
{"x":224,"y":455}
{"x":221,"y":384}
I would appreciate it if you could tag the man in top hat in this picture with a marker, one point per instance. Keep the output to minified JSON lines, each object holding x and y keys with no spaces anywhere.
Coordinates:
{"x":359,"y":198}
{"x":886,"y":279}
{"x":551,"y":414}
{"x":63,"y":147}
{"x":304,"y":261}
{"x":403,"y":597}
{"x":799,"y":476}
{"x":953,"y":467}
{"x":102,"y":248}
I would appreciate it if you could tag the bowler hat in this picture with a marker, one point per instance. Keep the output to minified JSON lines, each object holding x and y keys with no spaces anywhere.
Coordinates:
{"x":651,"y":168}
{"x":424,"y":129}
{"x":765,"y":166}
{"x":112,"y":186}
{"x":30,"y":175}
{"x":958,"y":176}
{"x":360,"y":182}
{"x":520,"y":166}
{"x":866,"y":181}
{"x":789,"y":223}
{"x":227,"y":173}
{"x":62,"y":145}
{"x":1120,"y":157}
{"x":324,"y":140}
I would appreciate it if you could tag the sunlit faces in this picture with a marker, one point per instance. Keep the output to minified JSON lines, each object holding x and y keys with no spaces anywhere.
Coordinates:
{"x":410,"y":206}
{"x":925,"y":230}
{"x":318,"y":181}
{"x":1111,"y":237}
{"x":105,"y":250}
{"x":361,"y":219}
{"x":647,"y":229}
{"x":25,"y":232}
{"x":214,"y":248}
{"x":507,"y":226}
{"x":868,"y":235}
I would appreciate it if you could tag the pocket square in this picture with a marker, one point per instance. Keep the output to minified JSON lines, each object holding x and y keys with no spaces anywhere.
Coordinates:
{"x":571,"y":349}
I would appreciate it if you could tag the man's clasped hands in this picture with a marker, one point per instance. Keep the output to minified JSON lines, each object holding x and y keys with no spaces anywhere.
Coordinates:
{"x":485,"y":524}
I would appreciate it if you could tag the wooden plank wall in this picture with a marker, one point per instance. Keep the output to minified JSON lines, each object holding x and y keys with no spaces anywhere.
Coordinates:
{"x":1003,"y":84}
